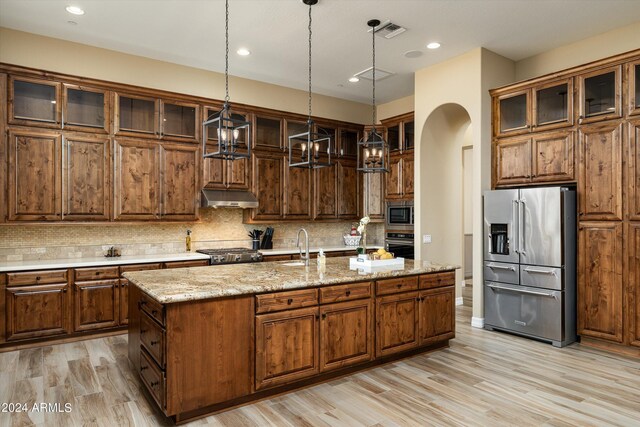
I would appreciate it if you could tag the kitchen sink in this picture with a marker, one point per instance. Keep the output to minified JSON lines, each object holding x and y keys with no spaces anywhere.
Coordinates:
{"x":294,"y":264}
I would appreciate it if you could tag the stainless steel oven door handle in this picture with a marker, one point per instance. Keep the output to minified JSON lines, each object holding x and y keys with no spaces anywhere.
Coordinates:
{"x":522,"y":291}
{"x":400,"y":242}
{"x":500,"y":267}
{"x":536,"y":271}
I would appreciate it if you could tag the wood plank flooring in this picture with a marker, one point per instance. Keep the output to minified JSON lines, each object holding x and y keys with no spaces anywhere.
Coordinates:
{"x":483,"y":379}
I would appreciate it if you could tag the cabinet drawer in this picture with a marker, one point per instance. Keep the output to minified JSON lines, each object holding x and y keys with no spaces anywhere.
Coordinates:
{"x":152,"y":308}
{"x":152,"y":377}
{"x":140,"y":267}
{"x":348,"y":292}
{"x":185,"y":264}
{"x":270,"y":258}
{"x":437,"y":280}
{"x":152,"y":339}
{"x":83,"y":274}
{"x":37,"y":277}
{"x":286,"y":300}
{"x":393,"y":286}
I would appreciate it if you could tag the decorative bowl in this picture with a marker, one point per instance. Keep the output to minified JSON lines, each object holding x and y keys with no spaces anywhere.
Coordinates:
{"x":350,"y":240}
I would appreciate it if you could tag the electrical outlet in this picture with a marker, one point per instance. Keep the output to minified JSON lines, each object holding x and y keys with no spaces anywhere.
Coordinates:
{"x":426,"y":238}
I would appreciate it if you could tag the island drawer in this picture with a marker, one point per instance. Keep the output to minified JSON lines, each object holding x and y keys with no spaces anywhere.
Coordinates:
{"x":152,"y":338}
{"x":151,"y":307}
{"x":83,"y":274}
{"x":348,"y":292}
{"x":393,"y":286}
{"x":152,"y":378}
{"x":36,"y":277}
{"x":278,"y":301}
{"x":185,"y":264}
{"x":437,"y":280}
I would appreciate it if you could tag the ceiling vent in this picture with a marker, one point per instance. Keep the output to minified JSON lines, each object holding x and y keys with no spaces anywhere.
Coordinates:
{"x":388,"y":30}
{"x":368,"y":74}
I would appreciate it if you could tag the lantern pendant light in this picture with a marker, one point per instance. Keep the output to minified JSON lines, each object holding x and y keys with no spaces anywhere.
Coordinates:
{"x":311,"y":149}
{"x":373,"y":151}
{"x":231,"y":131}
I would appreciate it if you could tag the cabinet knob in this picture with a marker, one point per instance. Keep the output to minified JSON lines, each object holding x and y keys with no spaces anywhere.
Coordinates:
{"x":154,"y":342}
{"x":418,"y":299}
{"x":324,"y":316}
{"x":154,"y":384}
{"x":38,"y":277}
{"x":290,"y":301}
{"x":142,"y":368}
{"x":154,"y":312}
{"x":64,"y":290}
{"x":347,"y":293}
{"x":97,"y":273}
{"x":143,"y":331}
{"x":399,"y":285}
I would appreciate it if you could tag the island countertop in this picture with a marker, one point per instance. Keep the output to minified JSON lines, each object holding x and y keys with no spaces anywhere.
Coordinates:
{"x":197,"y":283}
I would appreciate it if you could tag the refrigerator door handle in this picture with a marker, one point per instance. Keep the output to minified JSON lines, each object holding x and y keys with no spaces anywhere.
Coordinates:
{"x":500,"y":267}
{"x":516,"y":223}
{"x":536,"y":271}
{"x":521,"y":230}
{"x":522,"y":291}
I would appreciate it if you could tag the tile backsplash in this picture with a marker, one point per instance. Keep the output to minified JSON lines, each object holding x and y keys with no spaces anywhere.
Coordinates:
{"x":216,"y":228}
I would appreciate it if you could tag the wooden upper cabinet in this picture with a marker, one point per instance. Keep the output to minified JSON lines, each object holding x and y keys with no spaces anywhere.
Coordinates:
{"x":37,"y":311}
{"x":180,"y":186}
{"x":136,"y":180}
{"x":331,"y":131}
{"x":552,"y":105}
{"x":633,"y":197}
{"x":179,"y":120}
{"x":348,"y":189}
{"x":96,"y":304}
{"x":553,"y":156}
{"x":297,"y":192}
{"x":600,"y":95}
{"x":34,"y":102}
{"x":397,"y":326}
{"x":600,"y":290}
{"x":633,"y":78}
{"x":634,"y":283}
{"x":393,"y":187}
{"x":407,"y":176}
{"x":512,"y":160}
{"x":600,"y":181}
{"x":286,"y":346}
{"x":268,"y":132}
{"x":348,"y":142}
{"x":34,"y":175}
{"x":512,"y":113}
{"x":393,"y":137}
{"x":215,"y":172}
{"x":223,"y":174}
{"x":86,"y":171}
{"x":85,"y":108}
{"x":346,"y":334}
{"x":267,"y":185}
{"x":238,"y":174}
{"x":373,"y":195}
{"x":136,"y":115}
{"x":325,"y":194}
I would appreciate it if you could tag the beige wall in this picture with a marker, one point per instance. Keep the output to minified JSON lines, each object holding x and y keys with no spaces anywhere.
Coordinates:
{"x":591,"y":49}
{"x":396,"y":107}
{"x":31,"y":50}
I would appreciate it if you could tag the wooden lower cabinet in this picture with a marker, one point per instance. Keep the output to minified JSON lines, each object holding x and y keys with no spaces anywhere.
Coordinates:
{"x":124,"y":302}
{"x":600,"y":290}
{"x":346,"y":334}
{"x":38,"y":311}
{"x":96,"y":305}
{"x":437,"y":314}
{"x":396,"y":323}
{"x":286,"y":346}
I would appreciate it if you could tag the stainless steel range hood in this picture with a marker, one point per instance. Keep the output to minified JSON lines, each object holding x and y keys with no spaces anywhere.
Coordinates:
{"x":228,"y":199}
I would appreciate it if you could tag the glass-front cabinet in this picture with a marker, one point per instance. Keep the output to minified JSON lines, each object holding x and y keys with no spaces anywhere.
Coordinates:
{"x":553,"y":105}
{"x":633,"y":73}
{"x":85,"y":108}
{"x":393,"y":137}
{"x":600,"y":95}
{"x":348,"y":142}
{"x":408,"y":131}
{"x":180,"y":120}
{"x":34,"y":102}
{"x":330,"y":131}
{"x":268,"y":132}
{"x":513,"y":113}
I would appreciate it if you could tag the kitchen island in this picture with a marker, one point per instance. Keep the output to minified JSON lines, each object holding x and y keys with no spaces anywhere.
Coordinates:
{"x":208,"y":338}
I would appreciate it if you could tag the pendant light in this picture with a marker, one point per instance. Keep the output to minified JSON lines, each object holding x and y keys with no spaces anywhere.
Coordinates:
{"x":373,"y":151}
{"x":311,"y":149}
{"x":231,"y":131}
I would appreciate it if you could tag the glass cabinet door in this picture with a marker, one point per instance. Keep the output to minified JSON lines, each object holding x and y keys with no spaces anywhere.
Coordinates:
{"x":211,"y":132}
{"x":634,"y":87}
{"x":600,"y":95}
{"x":408,"y":129}
{"x":393,"y":137}
{"x":553,"y":105}
{"x":513,"y":113}
{"x":179,"y":119}
{"x":268,"y":132}
{"x":349,"y":142}
{"x":84,"y":107}
{"x":34,"y":102}
{"x":137,"y":114}
{"x":332,"y":132}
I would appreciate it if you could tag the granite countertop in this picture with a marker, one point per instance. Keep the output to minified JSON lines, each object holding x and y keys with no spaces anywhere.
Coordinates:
{"x":195,"y":283}
{"x":288,"y":251}
{"x":97,"y":261}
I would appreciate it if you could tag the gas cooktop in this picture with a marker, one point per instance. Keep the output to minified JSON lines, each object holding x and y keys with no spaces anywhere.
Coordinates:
{"x":231,"y":255}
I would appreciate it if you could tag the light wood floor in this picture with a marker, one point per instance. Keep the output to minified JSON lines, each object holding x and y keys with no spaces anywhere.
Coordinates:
{"x":484,"y":378}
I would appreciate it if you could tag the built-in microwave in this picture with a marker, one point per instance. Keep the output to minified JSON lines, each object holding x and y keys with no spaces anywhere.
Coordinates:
{"x":399,"y":215}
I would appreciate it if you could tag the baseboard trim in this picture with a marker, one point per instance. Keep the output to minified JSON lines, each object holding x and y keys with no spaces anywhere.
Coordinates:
{"x":459,"y":301}
{"x":477,"y":322}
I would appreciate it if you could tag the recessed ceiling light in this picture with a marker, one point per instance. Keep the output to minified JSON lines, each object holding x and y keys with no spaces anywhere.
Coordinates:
{"x":354,"y":79}
{"x":243,"y":52}
{"x":433,"y":45}
{"x":75,"y":10}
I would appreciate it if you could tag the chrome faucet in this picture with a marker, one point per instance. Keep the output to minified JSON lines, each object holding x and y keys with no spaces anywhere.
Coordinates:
{"x":304,"y":257}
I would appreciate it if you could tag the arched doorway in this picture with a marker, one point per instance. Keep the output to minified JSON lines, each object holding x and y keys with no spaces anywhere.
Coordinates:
{"x":440,"y":207}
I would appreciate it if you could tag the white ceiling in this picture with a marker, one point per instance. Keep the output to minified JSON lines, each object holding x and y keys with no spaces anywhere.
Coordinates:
{"x":191,"y":32}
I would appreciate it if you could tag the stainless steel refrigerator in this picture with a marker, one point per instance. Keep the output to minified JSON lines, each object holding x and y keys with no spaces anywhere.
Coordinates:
{"x":530,"y":263}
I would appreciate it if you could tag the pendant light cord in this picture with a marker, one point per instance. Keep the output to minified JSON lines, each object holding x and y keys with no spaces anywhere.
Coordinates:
{"x":373,"y":113}
{"x":309,"y":119}
{"x":226,"y":55}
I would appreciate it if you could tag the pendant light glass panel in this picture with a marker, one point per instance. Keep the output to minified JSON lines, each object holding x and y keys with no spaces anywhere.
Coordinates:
{"x":311,"y":149}
{"x":373,"y":153}
{"x":231,"y":134}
